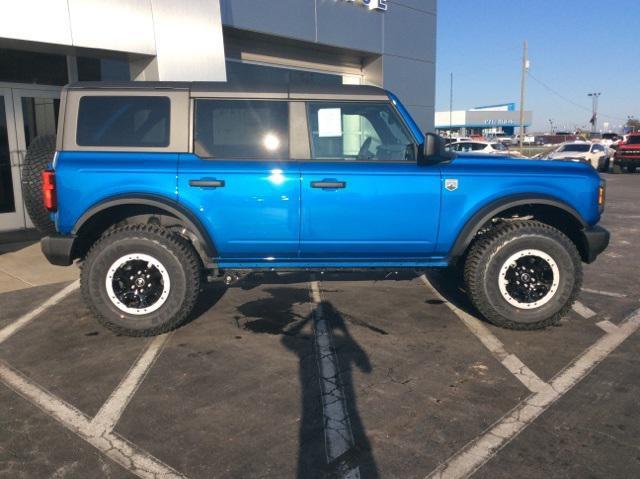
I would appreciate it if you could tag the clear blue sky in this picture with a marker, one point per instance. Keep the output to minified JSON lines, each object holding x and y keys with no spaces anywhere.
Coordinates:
{"x":575,"y":47}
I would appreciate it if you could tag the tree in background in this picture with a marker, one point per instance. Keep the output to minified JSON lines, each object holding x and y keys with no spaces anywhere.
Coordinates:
{"x":633,"y":124}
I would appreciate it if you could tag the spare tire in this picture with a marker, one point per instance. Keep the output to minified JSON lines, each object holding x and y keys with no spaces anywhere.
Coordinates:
{"x":39,"y":156}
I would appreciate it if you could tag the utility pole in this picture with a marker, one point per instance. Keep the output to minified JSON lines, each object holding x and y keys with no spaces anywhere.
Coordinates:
{"x":523,"y":85}
{"x":451,"y":107}
{"x":594,"y":111}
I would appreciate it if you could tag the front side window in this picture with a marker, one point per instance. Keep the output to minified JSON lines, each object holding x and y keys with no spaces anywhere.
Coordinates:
{"x":241,"y":129}
{"x":358,"y":131}
{"x":124,"y":121}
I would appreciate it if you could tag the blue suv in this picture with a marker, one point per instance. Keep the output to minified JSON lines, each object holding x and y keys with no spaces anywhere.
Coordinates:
{"x":157,"y":187}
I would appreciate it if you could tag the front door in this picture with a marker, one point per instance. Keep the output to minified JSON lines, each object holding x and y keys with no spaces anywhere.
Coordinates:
{"x":25,"y":112}
{"x":364,"y":197}
{"x":240,"y":182}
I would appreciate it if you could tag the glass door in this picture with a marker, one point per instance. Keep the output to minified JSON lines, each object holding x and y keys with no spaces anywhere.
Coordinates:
{"x":11,"y":207}
{"x":26,"y":112}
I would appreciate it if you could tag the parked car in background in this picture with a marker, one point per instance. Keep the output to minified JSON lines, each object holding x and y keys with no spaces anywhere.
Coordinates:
{"x":491,"y":148}
{"x":609,"y":139}
{"x":503,"y":138}
{"x":628,"y":153}
{"x":593,"y":153}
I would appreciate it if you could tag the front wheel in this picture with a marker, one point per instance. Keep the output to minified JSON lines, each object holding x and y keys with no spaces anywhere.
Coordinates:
{"x":141,"y":280}
{"x":523,"y":275}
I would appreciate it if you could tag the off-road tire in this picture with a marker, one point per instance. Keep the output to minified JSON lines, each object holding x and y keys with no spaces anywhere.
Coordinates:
{"x":178,"y":257}
{"x":39,"y":155}
{"x":488,"y":255}
{"x":605,"y":166}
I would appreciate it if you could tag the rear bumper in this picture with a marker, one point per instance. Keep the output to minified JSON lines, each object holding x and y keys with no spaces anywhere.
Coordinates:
{"x":596,"y":240}
{"x":58,"y":249}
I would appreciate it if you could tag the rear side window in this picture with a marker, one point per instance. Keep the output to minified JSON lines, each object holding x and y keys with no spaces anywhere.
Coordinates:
{"x":241,"y":129}
{"x":124,"y":121}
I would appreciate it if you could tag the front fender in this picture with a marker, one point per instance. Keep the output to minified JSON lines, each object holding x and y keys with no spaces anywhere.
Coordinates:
{"x":485,"y":213}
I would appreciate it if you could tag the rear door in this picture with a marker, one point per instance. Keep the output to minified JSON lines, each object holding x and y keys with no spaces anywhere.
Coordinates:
{"x":364,"y":197}
{"x":240,"y":182}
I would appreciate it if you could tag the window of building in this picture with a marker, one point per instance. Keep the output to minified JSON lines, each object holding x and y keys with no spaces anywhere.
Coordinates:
{"x":7,"y":204}
{"x":103,"y":69}
{"x":125,"y":121}
{"x":358,"y":131}
{"x":17,"y":66}
{"x":241,"y":129}
{"x":249,"y":72}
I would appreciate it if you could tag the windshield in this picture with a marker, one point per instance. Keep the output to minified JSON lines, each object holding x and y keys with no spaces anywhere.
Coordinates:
{"x":633,"y":140}
{"x":577,"y":148}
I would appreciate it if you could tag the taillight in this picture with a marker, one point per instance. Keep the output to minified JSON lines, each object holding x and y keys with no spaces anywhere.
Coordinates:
{"x":602,"y":192}
{"x":49,"y":190}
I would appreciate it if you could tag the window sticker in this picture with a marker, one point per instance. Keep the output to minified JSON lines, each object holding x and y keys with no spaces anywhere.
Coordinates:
{"x":329,"y":122}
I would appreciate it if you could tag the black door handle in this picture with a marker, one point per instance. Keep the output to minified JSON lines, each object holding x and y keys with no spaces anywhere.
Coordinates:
{"x":329,"y":185}
{"x":207,"y":183}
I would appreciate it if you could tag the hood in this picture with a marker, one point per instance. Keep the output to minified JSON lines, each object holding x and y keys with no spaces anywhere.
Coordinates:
{"x":629,"y":146}
{"x":568,"y":154}
{"x":525,"y":165}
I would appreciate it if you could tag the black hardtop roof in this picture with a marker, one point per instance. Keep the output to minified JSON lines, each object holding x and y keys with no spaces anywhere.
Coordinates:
{"x":293,"y":90}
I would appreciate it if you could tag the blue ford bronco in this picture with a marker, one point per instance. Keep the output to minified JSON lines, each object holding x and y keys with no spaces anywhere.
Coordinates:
{"x":157,"y":187}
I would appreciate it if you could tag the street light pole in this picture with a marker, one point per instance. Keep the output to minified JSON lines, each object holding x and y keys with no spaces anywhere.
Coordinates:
{"x":523,"y":84}
{"x":594,"y":111}
{"x":451,"y":107}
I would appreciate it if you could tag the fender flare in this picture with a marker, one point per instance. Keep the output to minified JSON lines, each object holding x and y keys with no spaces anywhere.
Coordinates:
{"x":160,"y":202}
{"x":484,"y":214}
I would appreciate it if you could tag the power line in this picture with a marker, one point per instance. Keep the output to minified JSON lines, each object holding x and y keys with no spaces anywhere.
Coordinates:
{"x":569,"y":100}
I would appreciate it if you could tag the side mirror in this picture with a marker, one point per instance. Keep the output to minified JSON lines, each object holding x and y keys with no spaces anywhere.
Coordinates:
{"x":434,"y":150}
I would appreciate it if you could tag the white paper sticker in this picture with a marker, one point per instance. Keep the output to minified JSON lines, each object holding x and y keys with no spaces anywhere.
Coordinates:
{"x":329,"y":122}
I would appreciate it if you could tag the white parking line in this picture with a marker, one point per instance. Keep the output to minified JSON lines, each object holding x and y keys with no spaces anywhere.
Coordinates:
{"x":607,"y":326}
{"x":604,"y":293}
{"x":510,"y":361}
{"x":338,"y":434}
{"x":11,"y":329}
{"x":583,"y":311}
{"x":110,"y":412}
{"x":482,"y":449}
{"x":112,"y":445}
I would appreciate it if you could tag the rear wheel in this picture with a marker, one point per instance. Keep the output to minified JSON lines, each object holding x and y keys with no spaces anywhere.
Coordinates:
{"x":141,"y":280}
{"x":523,"y":275}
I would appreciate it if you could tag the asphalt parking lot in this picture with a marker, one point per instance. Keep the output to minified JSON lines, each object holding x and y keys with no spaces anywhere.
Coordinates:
{"x":333,"y":375}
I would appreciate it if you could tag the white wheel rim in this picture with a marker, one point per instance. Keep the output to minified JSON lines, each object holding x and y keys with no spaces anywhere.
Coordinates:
{"x":116,"y":298}
{"x":514,"y":261}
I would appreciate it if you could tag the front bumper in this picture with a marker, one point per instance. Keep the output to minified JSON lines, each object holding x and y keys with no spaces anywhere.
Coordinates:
{"x":58,"y":249}
{"x":596,"y":240}
{"x":627,"y":160}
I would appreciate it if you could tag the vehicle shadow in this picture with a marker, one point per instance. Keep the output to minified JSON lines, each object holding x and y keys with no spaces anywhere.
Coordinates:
{"x":209,"y":296}
{"x":256,"y":279}
{"x":275,"y":315}
{"x":451,"y":287}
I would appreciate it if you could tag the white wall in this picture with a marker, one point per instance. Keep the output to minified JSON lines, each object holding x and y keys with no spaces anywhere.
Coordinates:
{"x":184,"y":36}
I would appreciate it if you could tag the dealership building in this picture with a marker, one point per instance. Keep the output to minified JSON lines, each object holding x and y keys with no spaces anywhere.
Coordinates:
{"x":483,"y":120}
{"x":45,"y":44}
